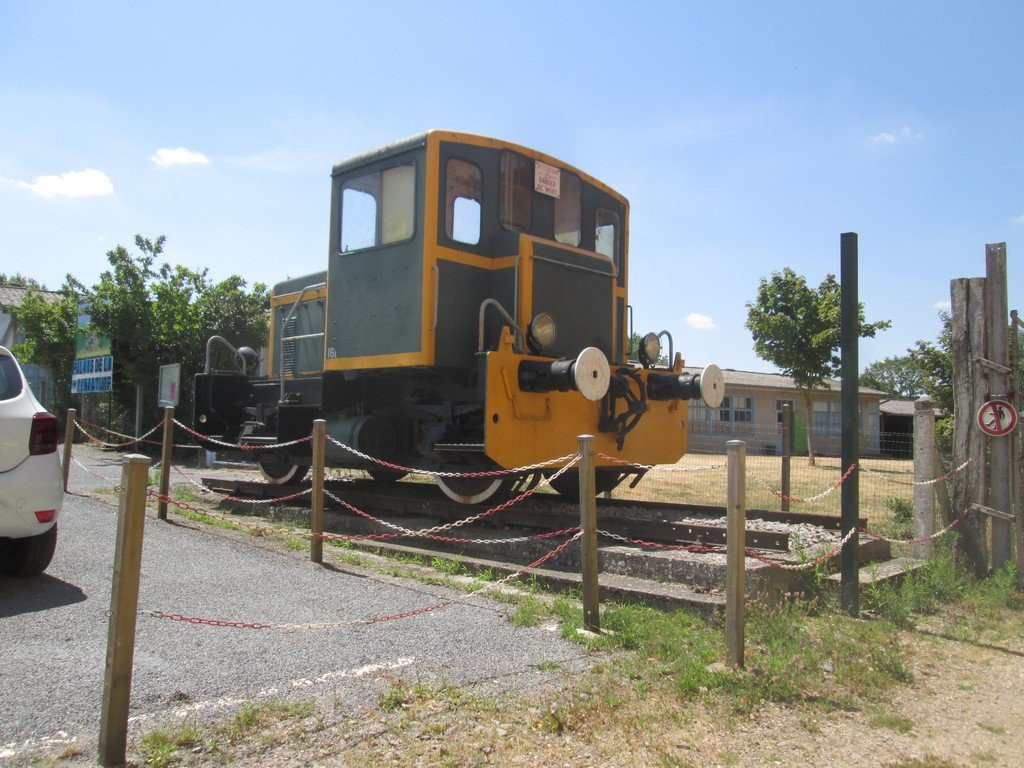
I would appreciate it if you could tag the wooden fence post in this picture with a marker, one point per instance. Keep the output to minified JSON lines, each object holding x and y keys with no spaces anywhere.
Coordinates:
{"x":924,"y":470}
{"x":69,"y":439}
{"x":124,"y":603}
{"x":588,"y":542}
{"x":787,"y":452}
{"x":165,"y":462}
{"x":1016,"y":465}
{"x":998,"y":387}
{"x":316,"y":504}
{"x":968,"y":342}
{"x":735,"y":543}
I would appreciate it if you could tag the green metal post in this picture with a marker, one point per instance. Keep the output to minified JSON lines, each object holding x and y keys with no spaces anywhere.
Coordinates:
{"x":849,"y":336}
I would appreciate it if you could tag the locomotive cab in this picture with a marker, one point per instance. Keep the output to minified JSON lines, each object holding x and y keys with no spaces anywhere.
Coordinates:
{"x":472,"y":316}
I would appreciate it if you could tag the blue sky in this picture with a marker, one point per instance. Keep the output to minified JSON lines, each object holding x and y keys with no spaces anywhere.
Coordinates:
{"x":747,"y":136}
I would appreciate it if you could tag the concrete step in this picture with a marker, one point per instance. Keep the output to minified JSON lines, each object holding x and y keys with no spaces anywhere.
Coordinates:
{"x":877,"y":573}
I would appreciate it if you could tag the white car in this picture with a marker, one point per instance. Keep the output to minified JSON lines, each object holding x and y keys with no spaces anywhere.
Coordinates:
{"x":31,"y":481}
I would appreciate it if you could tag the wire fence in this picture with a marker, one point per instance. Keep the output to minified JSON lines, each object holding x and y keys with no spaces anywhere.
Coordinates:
{"x":886,"y":465}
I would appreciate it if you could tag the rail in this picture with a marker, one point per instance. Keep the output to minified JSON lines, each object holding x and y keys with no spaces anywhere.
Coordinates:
{"x":288,"y":318}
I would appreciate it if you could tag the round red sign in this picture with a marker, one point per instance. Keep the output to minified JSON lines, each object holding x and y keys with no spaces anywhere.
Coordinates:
{"x":997,"y":418}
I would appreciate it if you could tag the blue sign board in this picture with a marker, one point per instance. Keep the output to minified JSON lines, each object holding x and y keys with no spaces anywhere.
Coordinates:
{"x":92,"y":374}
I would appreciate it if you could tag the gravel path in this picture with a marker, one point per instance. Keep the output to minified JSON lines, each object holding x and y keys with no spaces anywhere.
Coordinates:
{"x":53,"y":631}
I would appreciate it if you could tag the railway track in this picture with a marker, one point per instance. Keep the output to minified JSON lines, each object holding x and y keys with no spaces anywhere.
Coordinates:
{"x":656,"y":522}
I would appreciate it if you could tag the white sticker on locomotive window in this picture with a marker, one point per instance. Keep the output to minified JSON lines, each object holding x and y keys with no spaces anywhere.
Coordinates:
{"x":546,"y":179}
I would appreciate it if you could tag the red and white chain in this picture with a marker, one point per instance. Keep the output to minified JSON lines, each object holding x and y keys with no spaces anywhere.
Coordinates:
{"x":292,"y":627}
{"x":93,"y":472}
{"x":456,"y":523}
{"x":238,"y":445}
{"x":659,"y":467}
{"x":817,"y":497}
{"x":432,"y":473}
{"x":920,"y":539}
{"x":933,"y":481}
{"x":131,"y":441}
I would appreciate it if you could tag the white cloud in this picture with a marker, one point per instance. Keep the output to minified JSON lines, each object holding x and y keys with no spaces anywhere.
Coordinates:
{"x":903,"y":134}
{"x":167,"y":157}
{"x":1019,"y":219}
{"x":87,"y":183}
{"x":944,"y":305}
{"x":699,"y":321}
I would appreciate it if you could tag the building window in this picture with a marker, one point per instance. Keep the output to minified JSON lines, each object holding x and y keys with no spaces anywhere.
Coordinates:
{"x":734,"y":416}
{"x":828,"y":417}
{"x":462,"y":202}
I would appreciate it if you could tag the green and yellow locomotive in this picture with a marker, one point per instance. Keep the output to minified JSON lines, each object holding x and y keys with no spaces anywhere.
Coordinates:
{"x":473,"y":316}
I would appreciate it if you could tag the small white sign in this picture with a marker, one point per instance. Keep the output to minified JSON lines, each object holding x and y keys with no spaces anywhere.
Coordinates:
{"x":547,"y":179}
{"x":170,"y":380}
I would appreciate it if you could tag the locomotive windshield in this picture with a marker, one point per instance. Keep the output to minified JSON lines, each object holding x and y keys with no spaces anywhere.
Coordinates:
{"x":378,"y":208}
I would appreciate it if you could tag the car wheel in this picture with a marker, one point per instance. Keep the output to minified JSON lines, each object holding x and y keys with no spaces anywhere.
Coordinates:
{"x":29,"y":556}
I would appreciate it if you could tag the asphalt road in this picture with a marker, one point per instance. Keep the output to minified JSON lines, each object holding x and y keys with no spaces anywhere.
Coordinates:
{"x":53,"y":631}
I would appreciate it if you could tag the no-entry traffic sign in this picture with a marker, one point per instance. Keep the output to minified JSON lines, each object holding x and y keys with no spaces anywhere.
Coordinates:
{"x":997,"y":418}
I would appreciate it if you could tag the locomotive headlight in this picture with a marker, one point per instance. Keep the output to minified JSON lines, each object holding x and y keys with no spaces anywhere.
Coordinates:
{"x":650,"y":349}
{"x":543,"y":331}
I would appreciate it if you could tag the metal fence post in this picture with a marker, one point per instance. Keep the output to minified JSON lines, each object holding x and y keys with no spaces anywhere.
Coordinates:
{"x":588,"y":542}
{"x":924,"y":470}
{"x":124,"y":603}
{"x":316,"y":504}
{"x":735,"y":542}
{"x":165,"y":462}
{"x":69,"y":438}
{"x":787,"y":452}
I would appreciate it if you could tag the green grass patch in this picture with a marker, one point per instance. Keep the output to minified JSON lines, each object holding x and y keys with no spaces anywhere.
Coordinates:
{"x":163,"y":747}
{"x":529,"y":612}
{"x":891,"y":722}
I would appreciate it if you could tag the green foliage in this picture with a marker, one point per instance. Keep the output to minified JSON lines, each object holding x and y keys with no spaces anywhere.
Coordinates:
{"x":940,"y":580}
{"x":796,"y":328}
{"x":899,"y":375}
{"x":162,"y":314}
{"x":18,"y":280}
{"x":934,"y":360}
{"x":529,"y":612}
{"x":50,"y":328}
{"x":902,"y":509}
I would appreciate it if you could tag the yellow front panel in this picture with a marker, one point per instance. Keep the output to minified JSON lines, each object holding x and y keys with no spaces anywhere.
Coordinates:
{"x":522,"y":428}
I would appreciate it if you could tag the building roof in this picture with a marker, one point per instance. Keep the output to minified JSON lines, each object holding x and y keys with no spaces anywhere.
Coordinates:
{"x":13,"y":295}
{"x":755,"y":380}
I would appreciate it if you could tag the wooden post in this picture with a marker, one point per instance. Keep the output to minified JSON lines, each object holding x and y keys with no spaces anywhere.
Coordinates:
{"x":924,"y":470}
{"x":787,"y":452}
{"x":316,"y":504}
{"x":1016,"y":466}
{"x":735,"y":543}
{"x":69,"y":439}
{"x":998,"y":387}
{"x":124,"y":603}
{"x":588,"y":542}
{"x":967,"y":297}
{"x":165,"y":462}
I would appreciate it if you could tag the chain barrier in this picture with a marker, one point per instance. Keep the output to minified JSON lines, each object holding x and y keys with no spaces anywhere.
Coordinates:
{"x":431,"y":473}
{"x":292,"y":627}
{"x":920,"y":539}
{"x":240,"y":446}
{"x":131,"y":441}
{"x":933,"y":481}
{"x":93,"y":472}
{"x":796,"y":499}
{"x":457,"y":523}
{"x":659,"y":467}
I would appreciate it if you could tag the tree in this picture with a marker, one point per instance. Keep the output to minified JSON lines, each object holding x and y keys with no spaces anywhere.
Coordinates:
{"x":796,"y":328}
{"x":49,"y":327}
{"x":900,"y":376}
{"x":20,"y":281}
{"x":158,"y":315}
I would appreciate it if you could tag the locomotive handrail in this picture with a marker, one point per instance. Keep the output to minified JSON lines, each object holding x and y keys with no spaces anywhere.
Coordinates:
{"x":209,"y":349}
{"x":515,"y":328}
{"x":613,"y":274}
{"x":288,"y":317}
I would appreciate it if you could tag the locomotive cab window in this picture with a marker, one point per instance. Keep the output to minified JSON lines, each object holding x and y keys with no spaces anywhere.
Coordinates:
{"x":569,"y":210}
{"x":516,"y":191}
{"x":378,"y":208}
{"x":606,"y":233}
{"x":462,"y":201}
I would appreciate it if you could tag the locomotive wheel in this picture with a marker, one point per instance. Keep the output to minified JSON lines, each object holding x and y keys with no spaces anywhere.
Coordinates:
{"x":386,"y":476}
{"x":568,"y":483}
{"x":473,"y":490}
{"x":282,"y":473}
